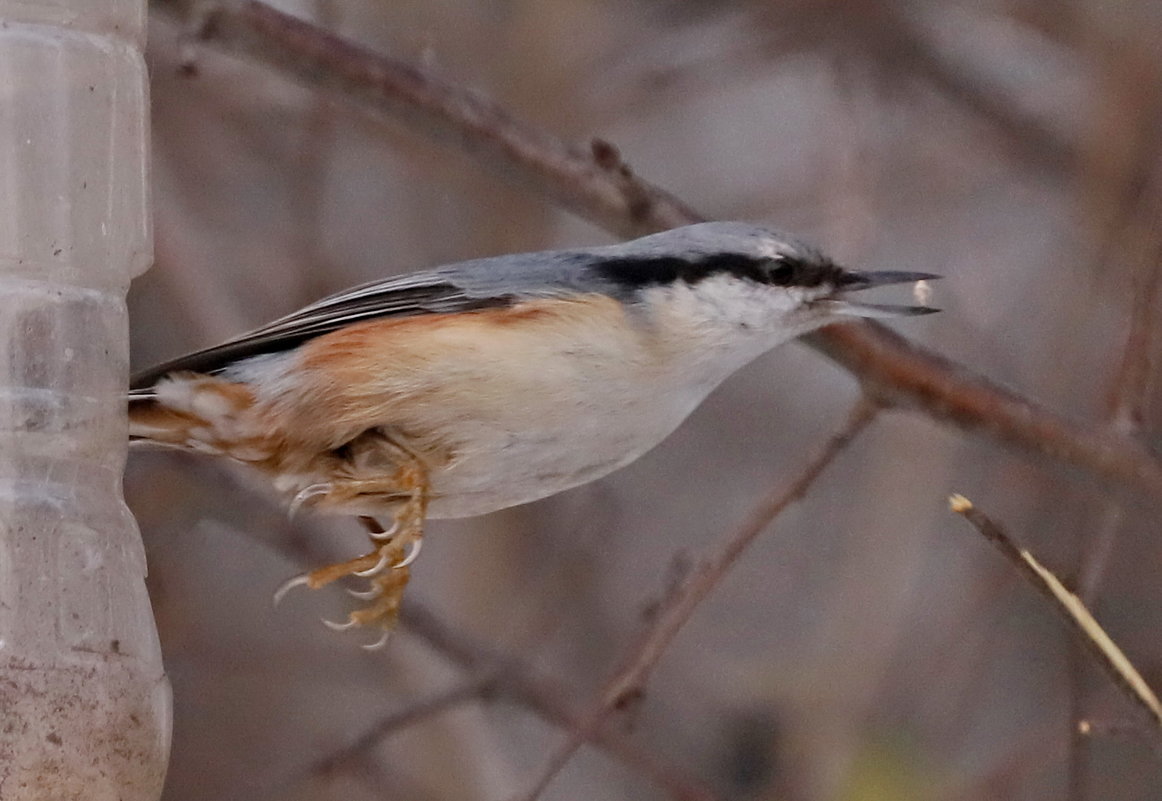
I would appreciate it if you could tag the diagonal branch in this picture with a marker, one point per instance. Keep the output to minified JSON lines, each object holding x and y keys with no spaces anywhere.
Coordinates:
{"x":1106,"y":652}
{"x":379,"y":731}
{"x":595,"y":185}
{"x":547,"y":698}
{"x":598,"y":186}
{"x":628,"y":682}
{"x":346,"y":755}
{"x":900,"y":374}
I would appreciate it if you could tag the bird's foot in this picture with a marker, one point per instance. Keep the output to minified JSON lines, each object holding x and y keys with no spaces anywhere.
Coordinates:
{"x":387,"y":565}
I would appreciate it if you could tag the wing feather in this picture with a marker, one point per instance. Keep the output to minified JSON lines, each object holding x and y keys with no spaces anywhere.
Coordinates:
{"x":432,"y":292}
{"x":486,"y":283}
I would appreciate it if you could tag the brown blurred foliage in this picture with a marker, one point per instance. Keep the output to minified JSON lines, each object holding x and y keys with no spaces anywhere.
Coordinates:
{"x":870,"y":646}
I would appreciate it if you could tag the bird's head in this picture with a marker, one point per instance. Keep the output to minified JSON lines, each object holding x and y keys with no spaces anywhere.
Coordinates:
{"x":726,"y":280}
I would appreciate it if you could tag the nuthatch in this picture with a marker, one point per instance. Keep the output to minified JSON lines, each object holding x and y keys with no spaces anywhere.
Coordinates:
{"x":469,"y":388}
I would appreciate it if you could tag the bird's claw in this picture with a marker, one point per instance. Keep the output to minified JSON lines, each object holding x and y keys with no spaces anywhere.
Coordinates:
{"x":288,"y":585}
{"x":304,"y":495}
{"x":388,"y":569}
{"x":413,"y":552}
{"x":333,"y":626}
{"x":384,"y":536}
{"x":377,"y":568}
{"x":385,"y":554}
{"x":378,"y":644}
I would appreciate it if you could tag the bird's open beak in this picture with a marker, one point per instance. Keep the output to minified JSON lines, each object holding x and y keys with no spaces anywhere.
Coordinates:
{"x":838,"y":303}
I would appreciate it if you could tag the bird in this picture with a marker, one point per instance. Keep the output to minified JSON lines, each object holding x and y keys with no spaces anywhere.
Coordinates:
{"x":464,"y":389}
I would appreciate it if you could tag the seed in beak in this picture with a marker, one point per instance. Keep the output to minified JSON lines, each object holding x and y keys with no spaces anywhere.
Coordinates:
{"x":922,"y":292}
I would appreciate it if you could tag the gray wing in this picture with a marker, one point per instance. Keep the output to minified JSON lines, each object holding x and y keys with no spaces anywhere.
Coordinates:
{"x":474,"y":285}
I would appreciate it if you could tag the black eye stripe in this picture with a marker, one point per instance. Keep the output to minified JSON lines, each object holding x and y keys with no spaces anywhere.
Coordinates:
{"x":637,"y":272}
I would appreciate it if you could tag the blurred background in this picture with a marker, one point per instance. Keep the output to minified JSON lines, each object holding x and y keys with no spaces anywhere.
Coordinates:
{"x":871,"y":645}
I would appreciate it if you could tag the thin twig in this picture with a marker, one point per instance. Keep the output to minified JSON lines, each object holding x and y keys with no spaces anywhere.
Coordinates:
{"x":1140,"y":246}
{"x":390,"y":724}
{"x":548,"y":698}
{"x":600,"y":187}
{"x":1139,"y":357}
{"x":1106,"y":653}
{"x":349,"y":754}
{"x":628,"y":682}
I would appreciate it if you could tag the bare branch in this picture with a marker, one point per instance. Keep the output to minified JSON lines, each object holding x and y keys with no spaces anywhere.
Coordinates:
{"x":597,"y":186}
{"x":375,"y":734}
{"x":547,"y":698}
{"x":902,"y":375}
{"x":1107,"y":654}
{"x":628,"y":682}
{"x":1142,"y":248}
{"x":390,"y":724}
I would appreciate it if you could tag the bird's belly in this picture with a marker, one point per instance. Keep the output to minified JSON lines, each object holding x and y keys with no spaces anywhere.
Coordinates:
{"x":515,"y":459}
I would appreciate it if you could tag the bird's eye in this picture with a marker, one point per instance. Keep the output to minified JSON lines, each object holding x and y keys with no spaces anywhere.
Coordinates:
{"x":781,"y":272}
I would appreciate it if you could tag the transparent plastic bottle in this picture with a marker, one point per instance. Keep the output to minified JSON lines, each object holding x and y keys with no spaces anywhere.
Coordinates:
{"x":84,"y":704}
